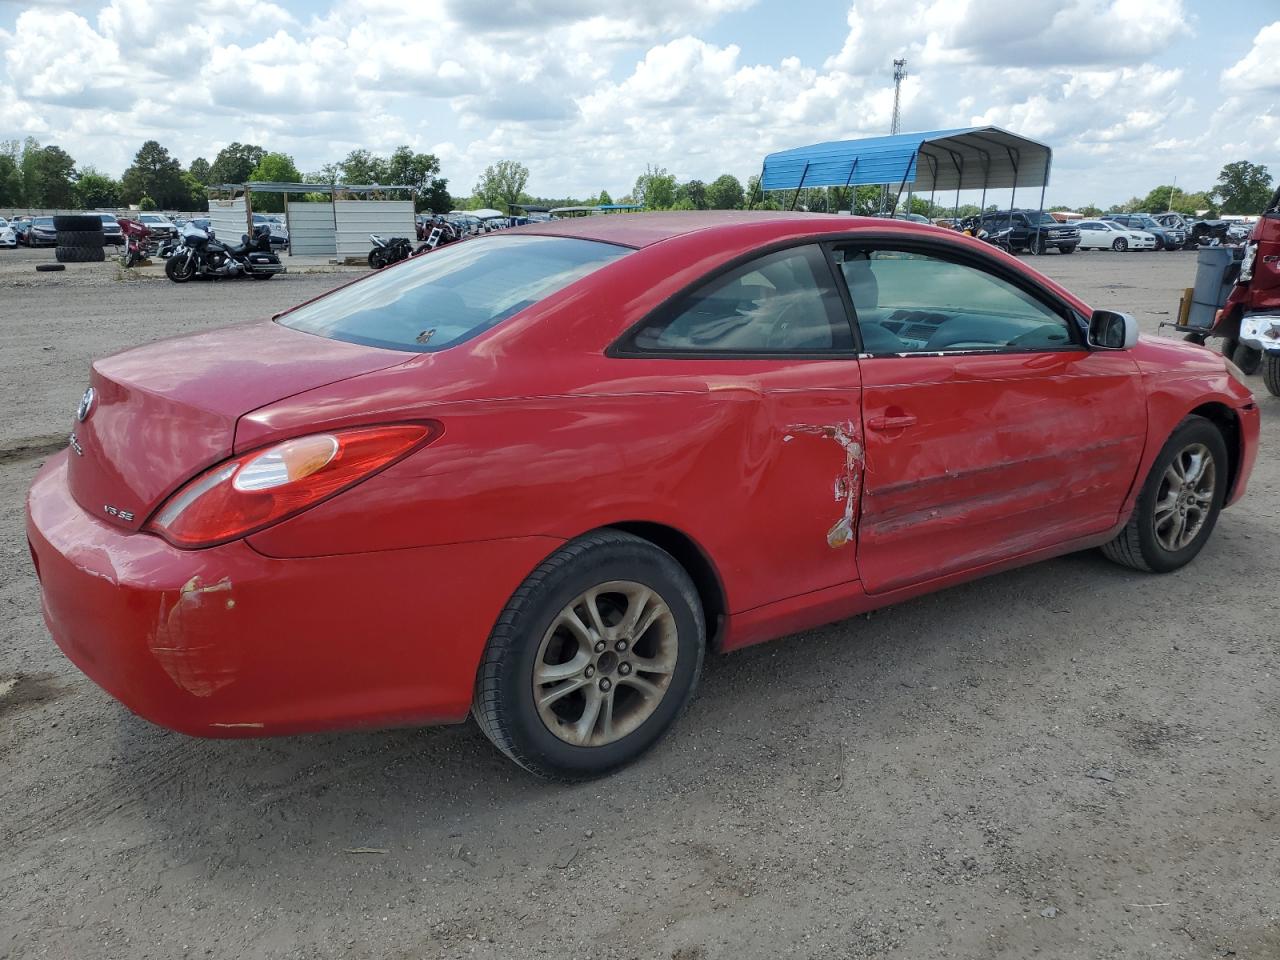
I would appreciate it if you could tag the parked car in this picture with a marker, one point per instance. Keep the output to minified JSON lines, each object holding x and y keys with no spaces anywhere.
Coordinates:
{"x":111,"y":232}
{"x":351,"y":515}
{"x":41,"y":233}
{"x":1031,"y":230}
{"x":279,"y":235}
{"x":1104,"y":235}
{"x":1167,"y":238}
{"x":8,"y":236}
{"x":161,"y":227}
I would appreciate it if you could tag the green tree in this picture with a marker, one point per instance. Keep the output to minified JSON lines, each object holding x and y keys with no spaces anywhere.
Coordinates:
{"x":502,"y":182}
{"x":146,"y":203}
{"x":234,"y":163}
{"x":10,"y":182}
{"x":695,"y":192}
{"x":759,"y":200}
{"x":273,"y":168}
{"x":725,"y":193}
{"x":54,"y":177}
{"x":201,"y":171}
{"x":1243,"y":187}
{"x":420,"y":171}
{"x":362,"y":168}
{"x":28,"y":164}
{"x":157,"y":176}
{"x":655,"y":189}
{"x":329,"y":173}
{"x":604,"y":199}
{"x":94,"y":189}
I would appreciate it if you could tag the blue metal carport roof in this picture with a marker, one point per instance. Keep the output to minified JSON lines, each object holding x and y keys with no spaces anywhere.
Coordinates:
{"x":969,"y":158}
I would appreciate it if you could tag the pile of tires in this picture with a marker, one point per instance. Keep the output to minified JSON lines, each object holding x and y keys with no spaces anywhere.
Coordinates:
{"x":79,"y":239}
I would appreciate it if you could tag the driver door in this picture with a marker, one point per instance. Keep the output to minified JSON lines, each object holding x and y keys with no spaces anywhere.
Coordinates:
{"x":991,"y":430}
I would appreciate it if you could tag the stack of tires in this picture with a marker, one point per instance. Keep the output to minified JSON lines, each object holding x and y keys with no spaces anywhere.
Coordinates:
{"x":79,"y":239}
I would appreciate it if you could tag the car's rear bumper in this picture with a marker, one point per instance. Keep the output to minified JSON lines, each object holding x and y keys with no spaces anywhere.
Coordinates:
{"x":229,"y":642}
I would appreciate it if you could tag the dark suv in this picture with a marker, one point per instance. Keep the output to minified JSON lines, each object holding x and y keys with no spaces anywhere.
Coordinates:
{"x":1167,"y":238}
{"x":1032,"y":230}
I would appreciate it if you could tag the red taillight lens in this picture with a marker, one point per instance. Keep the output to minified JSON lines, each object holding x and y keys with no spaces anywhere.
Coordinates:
{"x":253,"y":491}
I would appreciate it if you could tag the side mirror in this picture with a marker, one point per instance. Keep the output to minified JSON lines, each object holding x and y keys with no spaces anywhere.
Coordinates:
{"x":1110,"y":330}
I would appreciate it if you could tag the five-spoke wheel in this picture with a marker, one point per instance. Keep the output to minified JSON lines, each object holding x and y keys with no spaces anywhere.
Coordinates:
{"x":593,"y":658}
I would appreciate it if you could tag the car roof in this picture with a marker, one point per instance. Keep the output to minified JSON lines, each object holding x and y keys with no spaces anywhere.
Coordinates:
{"x":643,"y":229}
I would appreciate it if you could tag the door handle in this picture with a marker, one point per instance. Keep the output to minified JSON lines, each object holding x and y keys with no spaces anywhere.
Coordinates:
{"x":891,"y":423}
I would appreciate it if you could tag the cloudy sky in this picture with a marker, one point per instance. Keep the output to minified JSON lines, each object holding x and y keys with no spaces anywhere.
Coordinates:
{"x":1129,"y":93}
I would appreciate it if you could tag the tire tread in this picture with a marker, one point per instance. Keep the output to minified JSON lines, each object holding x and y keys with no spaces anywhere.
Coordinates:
{"x":506,"y":635}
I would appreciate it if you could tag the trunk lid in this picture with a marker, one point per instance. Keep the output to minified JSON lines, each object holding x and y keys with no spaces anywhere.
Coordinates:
{"x":162,"y":413}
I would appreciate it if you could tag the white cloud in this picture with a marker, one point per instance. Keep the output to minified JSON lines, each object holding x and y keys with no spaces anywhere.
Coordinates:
{"x":587,"y":92}
{"x":1256,"y":70}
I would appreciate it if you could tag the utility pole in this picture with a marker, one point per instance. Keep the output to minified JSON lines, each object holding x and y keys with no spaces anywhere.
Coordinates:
{"x":899,"y":74}
{"x":895,"y":125}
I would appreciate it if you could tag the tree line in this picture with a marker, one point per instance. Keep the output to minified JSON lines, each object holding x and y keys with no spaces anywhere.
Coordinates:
{"x":47,"y":177}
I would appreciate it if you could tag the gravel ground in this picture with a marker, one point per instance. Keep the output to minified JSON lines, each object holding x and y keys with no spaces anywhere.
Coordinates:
{"x":1069,"y":760}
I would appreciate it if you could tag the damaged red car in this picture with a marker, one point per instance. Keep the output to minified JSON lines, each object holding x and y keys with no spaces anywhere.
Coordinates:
{"x":534,"y":477}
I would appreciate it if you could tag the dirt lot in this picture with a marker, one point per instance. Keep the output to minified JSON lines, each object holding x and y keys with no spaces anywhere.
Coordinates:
{"x":1070,"y":760}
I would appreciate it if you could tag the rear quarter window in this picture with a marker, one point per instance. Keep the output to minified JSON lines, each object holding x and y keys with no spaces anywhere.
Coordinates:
{"x":452,"y":294}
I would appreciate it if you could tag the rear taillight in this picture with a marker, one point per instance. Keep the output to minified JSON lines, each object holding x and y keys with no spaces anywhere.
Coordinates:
{"x":241,"y":496}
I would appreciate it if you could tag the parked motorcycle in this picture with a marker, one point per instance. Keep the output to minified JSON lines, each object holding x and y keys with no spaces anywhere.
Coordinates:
{"x":201,"y":254}
{"x":137,"y":242}
{"x":387,"y":252}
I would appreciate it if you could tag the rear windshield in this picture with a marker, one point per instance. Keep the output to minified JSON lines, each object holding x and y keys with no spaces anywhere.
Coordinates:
{"x":452,"y":294}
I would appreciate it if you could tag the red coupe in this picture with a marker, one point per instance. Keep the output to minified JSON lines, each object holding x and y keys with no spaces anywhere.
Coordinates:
{"x":536,"y":475}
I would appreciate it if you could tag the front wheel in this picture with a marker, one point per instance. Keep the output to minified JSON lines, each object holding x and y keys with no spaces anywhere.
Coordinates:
{"x":1119,"y":244}
{"x":1271,"y":372}
{"x":593,"y":658}
{"x":376,"y":259}
{"x":179,"y":269}
{"x":1247,"y":358}
{"x":1067,"y":249}
{"x":1179,"y":502}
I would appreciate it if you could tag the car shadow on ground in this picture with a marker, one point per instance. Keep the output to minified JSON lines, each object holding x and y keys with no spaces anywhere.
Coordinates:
{"x":753,"y":711}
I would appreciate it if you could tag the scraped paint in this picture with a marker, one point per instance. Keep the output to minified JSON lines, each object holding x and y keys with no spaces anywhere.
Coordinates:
{"x":847,"y":482}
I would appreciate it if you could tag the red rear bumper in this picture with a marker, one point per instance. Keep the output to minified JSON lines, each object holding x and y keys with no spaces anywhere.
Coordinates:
{"x":228,"y":642}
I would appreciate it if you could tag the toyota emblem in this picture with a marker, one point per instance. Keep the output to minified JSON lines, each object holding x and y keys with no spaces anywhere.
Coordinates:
{"x":86,"y":405}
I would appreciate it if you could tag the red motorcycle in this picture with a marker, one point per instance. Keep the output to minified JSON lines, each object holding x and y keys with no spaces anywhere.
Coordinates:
{"x":137,"y":246}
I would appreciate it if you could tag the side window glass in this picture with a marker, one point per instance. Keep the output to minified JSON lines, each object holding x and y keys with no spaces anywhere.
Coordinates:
{"x":913,"y":303}
{"x":780,"y":303}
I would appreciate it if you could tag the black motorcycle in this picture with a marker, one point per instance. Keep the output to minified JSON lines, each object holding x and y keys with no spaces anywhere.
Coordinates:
{"x":202,"y":255}
{"x":387,"y":252}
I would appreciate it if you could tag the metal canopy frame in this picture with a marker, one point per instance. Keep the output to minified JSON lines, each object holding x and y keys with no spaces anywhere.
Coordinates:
{"x":969,"y":158}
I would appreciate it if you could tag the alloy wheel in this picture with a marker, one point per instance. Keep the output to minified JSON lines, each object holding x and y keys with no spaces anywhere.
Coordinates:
{"x":605,"y":663}
{"x":1184,"y":499}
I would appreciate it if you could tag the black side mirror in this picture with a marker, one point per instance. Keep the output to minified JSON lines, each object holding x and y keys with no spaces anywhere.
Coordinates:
{"x":1111,"y":330}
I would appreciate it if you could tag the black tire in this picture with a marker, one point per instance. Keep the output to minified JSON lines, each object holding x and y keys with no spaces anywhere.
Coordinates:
{"x":1271,"y":372}
{"x":79,"y":222}
{"x":49,"y":267}
{"x":1119,"y":244}
{"x":377,"y":259}
{"x":79,"y":254}
{"x":1228,"y":347}
{"x":1069,"y":248}
{"x":1196,"y":338}
{"x":88,"y":239}
{"x":1136,"y":545}
{"x":504,"y":704}
{"x":262,"y":276}
{"x":1247,"y":358}
{"x":175,"y":268}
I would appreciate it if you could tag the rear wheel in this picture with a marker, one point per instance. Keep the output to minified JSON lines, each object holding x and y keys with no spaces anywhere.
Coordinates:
{"x":1271,"y":372}
{"x":376,"y":259}
{"x":1179,"y":501}
{"x":593,"y":658}
{"x":1119,"y":244}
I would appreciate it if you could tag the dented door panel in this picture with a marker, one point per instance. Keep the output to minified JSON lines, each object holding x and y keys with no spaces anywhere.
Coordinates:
{"x":998,"y":455}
